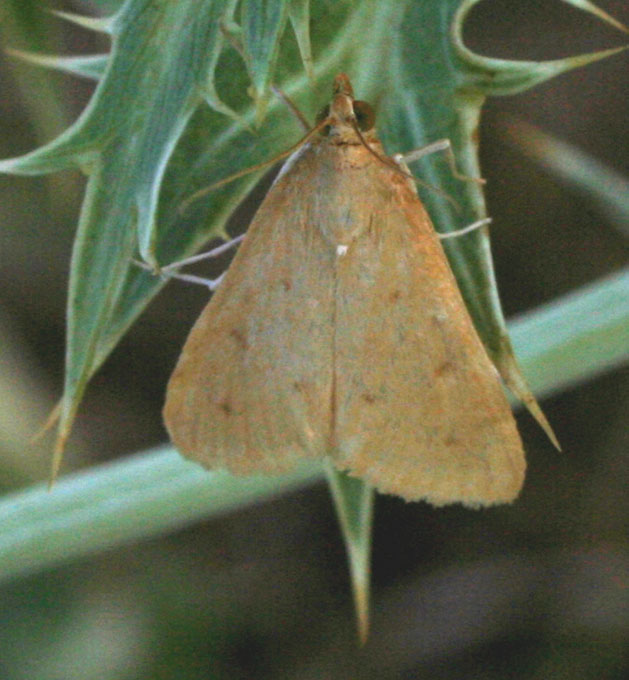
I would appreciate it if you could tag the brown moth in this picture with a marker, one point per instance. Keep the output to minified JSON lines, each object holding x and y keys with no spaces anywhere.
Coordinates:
{"x":339,"y":331}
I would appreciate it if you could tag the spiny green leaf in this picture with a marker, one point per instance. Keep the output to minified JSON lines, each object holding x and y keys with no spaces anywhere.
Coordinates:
{"x":498,"y":77}
{"x":140,"y":120}
{"x":299,"y":15}
{"x":161,"y":58}
{"x":92,"y":66}
{"x":354,"y":501}
{"x":35,"y":31}
{"x":97,"y":24}
{"x":587,"y":6}
{"x":448,"y":105}
{"x":208,"y":90}
{"x":262,"y":23}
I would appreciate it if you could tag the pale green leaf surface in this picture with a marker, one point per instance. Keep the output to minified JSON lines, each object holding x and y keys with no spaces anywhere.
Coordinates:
{"x":571,"y":339}
{"x":97,"y":24}
{"x":92,"y":66}
{"x":262,"y":23}
{"x":156,"y":70}
{"x":299,"y":15}
{"x":587,"y":6}
{"x":448,"y":105}
{"x":354,"y":501}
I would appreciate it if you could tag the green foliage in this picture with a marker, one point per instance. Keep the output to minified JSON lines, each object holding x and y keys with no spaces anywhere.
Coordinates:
{"x":262,"y":25}
{"x":179,"y":96}
{"x":146,"y":142}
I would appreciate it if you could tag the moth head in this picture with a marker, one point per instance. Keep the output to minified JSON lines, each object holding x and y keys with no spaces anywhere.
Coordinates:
{"x":344,"y":114}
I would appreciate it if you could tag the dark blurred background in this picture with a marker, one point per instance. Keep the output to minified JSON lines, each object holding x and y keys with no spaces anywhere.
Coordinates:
{"x":533,"y":590}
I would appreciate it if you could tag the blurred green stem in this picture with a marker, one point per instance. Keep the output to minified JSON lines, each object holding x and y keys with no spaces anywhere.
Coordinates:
{"x":567,"y":341}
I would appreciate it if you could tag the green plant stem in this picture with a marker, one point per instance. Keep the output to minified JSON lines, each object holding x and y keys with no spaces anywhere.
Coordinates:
{"x":143,"y":495}
{"x":562,"y":343}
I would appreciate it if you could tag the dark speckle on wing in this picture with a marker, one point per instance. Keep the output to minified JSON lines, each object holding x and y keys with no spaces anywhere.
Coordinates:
{"x":239,"y":337}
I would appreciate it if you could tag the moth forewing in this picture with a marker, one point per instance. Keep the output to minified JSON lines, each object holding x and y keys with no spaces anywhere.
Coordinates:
{"x":339,"y":331}
{"x":251,"y":389}
{"x":420,"y":408}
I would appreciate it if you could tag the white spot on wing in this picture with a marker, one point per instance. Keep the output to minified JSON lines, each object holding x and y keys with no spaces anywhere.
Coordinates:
{"x":341,"y":250}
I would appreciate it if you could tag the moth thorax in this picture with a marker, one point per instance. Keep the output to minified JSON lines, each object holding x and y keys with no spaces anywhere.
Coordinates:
{"x":342,"y":108}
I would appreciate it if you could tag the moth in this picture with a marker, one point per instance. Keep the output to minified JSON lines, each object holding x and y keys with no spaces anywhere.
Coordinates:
{"x":338,"y":331}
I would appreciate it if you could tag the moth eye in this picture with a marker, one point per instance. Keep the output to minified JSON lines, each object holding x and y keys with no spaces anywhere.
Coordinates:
{"x":365,"y":116}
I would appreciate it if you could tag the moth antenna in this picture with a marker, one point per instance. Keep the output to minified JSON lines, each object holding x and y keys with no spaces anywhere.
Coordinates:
{"x":442,"y":145}
{"x":259,"y":166}
{"x":215,"y":252}
{"x":392,"y":164}
{"x":280,"y":94}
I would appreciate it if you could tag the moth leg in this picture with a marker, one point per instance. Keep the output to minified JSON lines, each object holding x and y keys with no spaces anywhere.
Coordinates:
{"x":211,"y":284}
{"x":466,"y":230}
{"x":435,"y":147}
{"x":215,"y":252}
{"x":169,"y":271}
{"x":259,"y":166}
